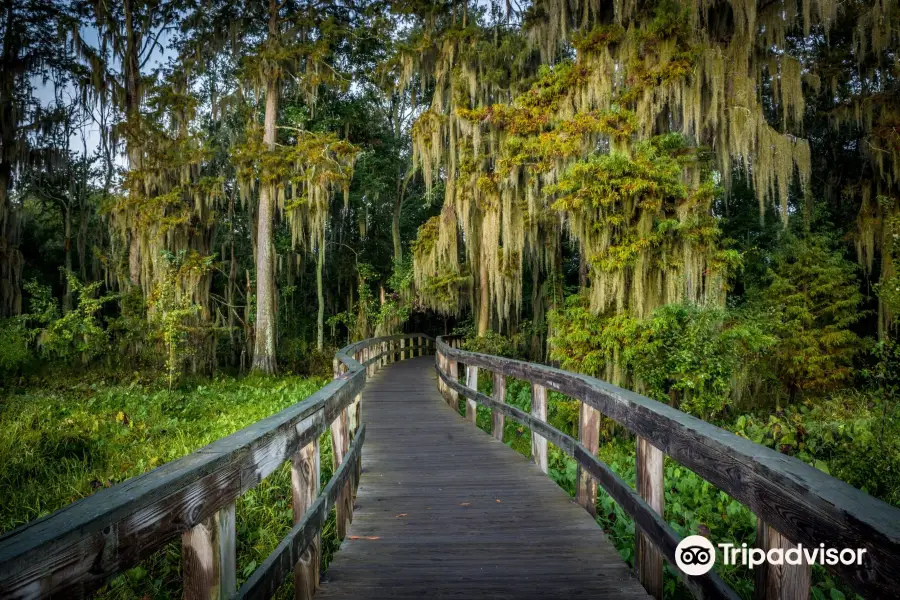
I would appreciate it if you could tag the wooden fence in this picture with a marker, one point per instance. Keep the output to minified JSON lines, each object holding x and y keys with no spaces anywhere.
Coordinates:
{"x":75,"y":550}
{"x":794,"y":502}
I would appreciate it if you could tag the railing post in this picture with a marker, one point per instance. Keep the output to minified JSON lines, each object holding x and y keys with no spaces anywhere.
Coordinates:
{"x":305,"y":475}
{"x":499,"y":395}
{"x":340,"y":443}
{"x":453,"y":373}
{"x":442,"y":367}
{"x":403,"y":349}
{"x":420,"y":340}
{"x":384,"y":353}
{"x":471,"y":383}
{"x":650,"y":484}
{"x":208,"y":557}
{"x":539,"y":411}
{"x":779,"y":582}
{"x":589,"y":436}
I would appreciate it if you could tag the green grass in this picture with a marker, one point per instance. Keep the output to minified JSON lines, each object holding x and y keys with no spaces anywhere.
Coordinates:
{"x":64,"y":442}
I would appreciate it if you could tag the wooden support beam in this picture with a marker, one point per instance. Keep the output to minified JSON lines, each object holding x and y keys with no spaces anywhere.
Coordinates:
{"x":650,"y":484}
{"x":472,"y":383}
{"x":453,"y":372}
{"x":779,"y":582}
{"x":499,"y":395}
{"x":403,"y":349}
{"x":305,"y":477}
{"x":340,"y":442}
{"x":208,"y":557}
{"x":589,"y":436}
{"x":539,"y":411}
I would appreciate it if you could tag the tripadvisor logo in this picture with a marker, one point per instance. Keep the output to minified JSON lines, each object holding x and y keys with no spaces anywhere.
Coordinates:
{"x":695,"y":555}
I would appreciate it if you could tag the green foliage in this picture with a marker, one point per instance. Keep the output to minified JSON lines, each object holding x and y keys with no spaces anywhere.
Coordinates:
{"x":15,"y":352}
{"x":682,"y":354}
{"x":852,"y":435}
{"x":173,"y":314}
{"x":69,"y":438}
{"x":813,"y":297}
{"x":497,"y":344}
{"x":76,"y":334}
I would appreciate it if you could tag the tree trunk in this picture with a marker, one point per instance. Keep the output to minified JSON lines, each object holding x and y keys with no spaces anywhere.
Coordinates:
{"x":395,"y":229}
{"x":264,"y":342}
{"x":131,"y":71}
{"x":67,"y":249}
{"x":484,"y":305}
{"x":320,"y":321}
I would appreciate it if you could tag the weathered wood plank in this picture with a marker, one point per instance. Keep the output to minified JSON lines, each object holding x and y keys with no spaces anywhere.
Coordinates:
{"x":539,"y":411}
{"x":499,"y":395}
{"x":273,"y":571}
{"x":208,"y":557}
{"x":650,"y":484}
{"x":589,"y":436}
{"x":403,"y":349}
{"x":804,"y":503}
{"x":472,"y":383}
{"x":305,"y":476}
{"x":340,"y":438}
{"x":453,"y":372}
{"x":779,"y":582}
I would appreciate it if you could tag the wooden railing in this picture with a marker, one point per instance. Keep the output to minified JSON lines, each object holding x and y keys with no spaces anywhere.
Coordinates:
{"x":78,"y":548}
{"x":794,"y":502}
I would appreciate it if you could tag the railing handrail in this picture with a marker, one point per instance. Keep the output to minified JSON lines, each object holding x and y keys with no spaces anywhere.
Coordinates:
{"x":804,"y":504}
{"x":78,"y":547}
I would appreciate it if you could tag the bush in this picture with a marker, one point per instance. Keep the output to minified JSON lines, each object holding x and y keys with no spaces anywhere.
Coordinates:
{"x":687,"y":355}
{"x":813,"y":299}
{"x":15,"y":353}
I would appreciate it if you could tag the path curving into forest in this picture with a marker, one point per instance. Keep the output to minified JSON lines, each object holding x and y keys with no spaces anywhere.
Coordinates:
{"x":444,"y":510}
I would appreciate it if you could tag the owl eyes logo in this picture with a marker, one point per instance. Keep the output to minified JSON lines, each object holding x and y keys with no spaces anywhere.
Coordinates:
{"x":695,"y":555}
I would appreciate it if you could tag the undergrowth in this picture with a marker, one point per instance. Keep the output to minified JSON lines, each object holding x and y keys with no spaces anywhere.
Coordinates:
{"x":71,"y":438}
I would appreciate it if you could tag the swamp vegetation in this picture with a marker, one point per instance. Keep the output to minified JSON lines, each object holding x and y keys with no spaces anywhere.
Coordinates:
{"x":201,"y":201}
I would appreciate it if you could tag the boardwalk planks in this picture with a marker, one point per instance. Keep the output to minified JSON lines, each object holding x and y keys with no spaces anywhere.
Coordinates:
{"x":445,"y":511}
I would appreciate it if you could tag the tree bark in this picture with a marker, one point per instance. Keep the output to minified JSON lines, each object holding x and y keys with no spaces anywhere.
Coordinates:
{"x":484,"y":306}
{"x":395,"y":229}
{"x":131,"y":68}
{"x":67,"y":249}
{"x":264,"y":341}
{"x":320,"y":320}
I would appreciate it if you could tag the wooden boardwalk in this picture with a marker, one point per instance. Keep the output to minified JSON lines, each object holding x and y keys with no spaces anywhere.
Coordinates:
{"x":446,"y":511}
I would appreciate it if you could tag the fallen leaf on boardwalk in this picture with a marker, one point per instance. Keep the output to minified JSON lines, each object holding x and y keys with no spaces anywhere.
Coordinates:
{"x":465,"y":504}
{"x":400,"y":515}
{"x":498,"y":501}
{"x":365,"y":537}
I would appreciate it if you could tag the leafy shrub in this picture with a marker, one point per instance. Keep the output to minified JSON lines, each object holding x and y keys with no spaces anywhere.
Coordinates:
{"x":15,"y":353}
{"x":813,"y":298}
{"x":495,"y":343}
{"x":854,"y":436}
{"x":684,"y":354}
{"x":76,"y":334}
